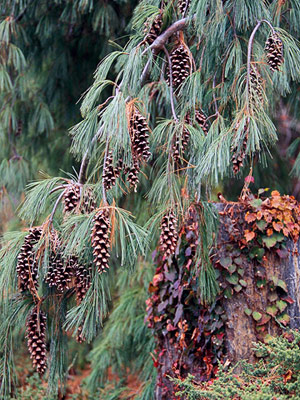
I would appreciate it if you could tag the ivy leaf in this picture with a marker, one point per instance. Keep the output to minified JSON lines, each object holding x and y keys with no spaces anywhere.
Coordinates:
{"x":243,"y":283}
{"x":265,"y":319}
{"x":233,"y":279}
{"x":226,"y":261}
{"x":282,"y":285}
{"x":272,"y":310}
{"x":256,"y":203}
{"x":257,"y":252}
{"x":249,"y":235}
{"x":256,"y":315}
{"x":248,"y":311}
{"x":261,"y":225}
{"x":238,"y":288}
{"x":281,"y":305}
{"x":284,"y":319}
{"x":178,"y":314}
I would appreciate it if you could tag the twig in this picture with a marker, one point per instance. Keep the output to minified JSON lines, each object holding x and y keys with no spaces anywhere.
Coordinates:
{"x":104,"y":164}
{"x":171,"y":84}
{"x":84,"y":161}
{"x":214,"y":95}
{"x":55,"y":206}
{"x":250,"y":46}
{"x":163,"y":38}
{"x":145,"y":71}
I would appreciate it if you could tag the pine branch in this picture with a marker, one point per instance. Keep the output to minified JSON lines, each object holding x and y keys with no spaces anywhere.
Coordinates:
{"x":164,"y":37}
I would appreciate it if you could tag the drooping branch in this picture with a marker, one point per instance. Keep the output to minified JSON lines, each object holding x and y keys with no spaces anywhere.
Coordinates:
{"x":161,"y":40}
{"x":249,"y":54}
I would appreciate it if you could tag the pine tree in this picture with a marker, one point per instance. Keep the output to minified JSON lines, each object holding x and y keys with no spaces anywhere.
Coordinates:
{"x":140,"y":116}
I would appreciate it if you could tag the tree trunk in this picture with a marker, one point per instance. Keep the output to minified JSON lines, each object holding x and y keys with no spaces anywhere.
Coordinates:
{"x":241,"y":329}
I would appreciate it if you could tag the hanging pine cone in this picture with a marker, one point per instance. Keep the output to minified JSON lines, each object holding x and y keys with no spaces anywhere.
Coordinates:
{"x":181,"y":65}
{"x":27,"y":265}
{"x":109,"y":172}
{"x":274,"y":51}
{"x":82,"y":279}
{"x":183,"y":6}
{"x":36,"y":342}
{"x":152,"y":31}
{"x":169,"y":235}
{"x":101,"y":240}
{"x":238,"y":156}
{"x":59,"y":275}
{"x":71,"y":198}
{"x":200,"y":119}
{"x":133,"y":174}
{"x":256,"y":87}
{"x":180,"y":143}
{"x":139,"y":134}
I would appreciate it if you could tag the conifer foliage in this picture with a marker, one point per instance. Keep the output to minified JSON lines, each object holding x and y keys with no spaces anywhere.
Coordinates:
{"x":142,"y":114}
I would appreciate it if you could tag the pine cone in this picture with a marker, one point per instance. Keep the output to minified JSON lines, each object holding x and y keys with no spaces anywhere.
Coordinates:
{"x":27,"y":265}
{"x":109,"y":172}
{"x":200,"y":119}
{"x":169,"y":235}
{"x":139,"y":134}
{"x":183,"y":6}
{"x":71,"y":198}
{"x":101,"y":240}
{"x":191,"y":234}
{"x":239,"y":156}
{"x":82,"y":279}
{"x":256,"y":87}
{"x":59,"y":275}
{"x":181,"y":66}
{"x":133,"y":174}
{"x":152,"y":31}
{"x":274,"y":51}
{"x":36,"y":342}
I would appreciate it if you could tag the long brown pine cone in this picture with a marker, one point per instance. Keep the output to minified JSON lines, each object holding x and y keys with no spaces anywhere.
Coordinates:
{"x":36,"y":341}
{"x":101,"y":240}
{"x":169,"y":235}
{"x":181,"y":65}
{"x":27,"y":265}
{"x":139,"y":134}
{"x":274,"y":51}
{"x":71,"y":198}
{"x":152,"y":31}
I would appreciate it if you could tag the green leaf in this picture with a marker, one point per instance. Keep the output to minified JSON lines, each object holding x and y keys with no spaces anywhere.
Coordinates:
{"x":281,"y":305}
{"x":233,"y":279}
{"x":248,"y":311}
{"x":256,"y":203}
{"x":262,"y":224}
{"x":257,"y":252}
{"x":238,"y":288}
{"x":272,"y":310}
{"x":256,"y":315}
{"x":243,"y":283}
{"x":282,"y":285}
{"x":284,"y":319}
{"x":226,"y":261}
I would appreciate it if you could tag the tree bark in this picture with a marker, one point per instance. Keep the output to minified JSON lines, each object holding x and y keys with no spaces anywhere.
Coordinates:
{"x":240,"y":328}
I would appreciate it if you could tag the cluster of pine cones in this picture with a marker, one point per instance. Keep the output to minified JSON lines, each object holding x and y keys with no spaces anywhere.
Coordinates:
{"x":61,"y":275}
